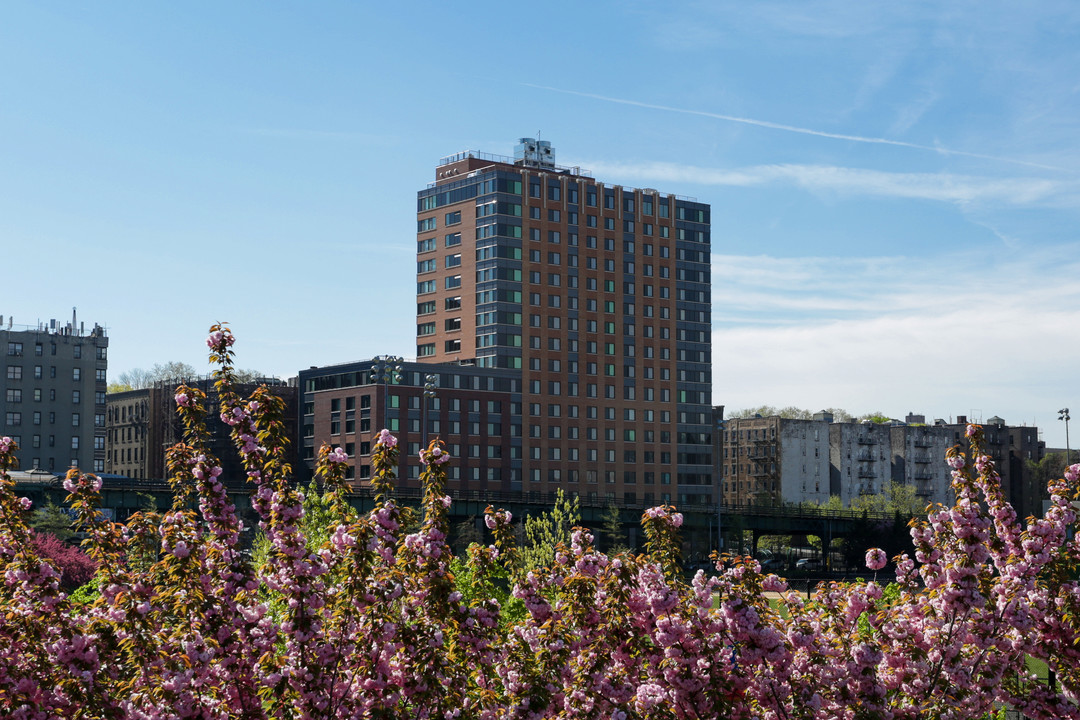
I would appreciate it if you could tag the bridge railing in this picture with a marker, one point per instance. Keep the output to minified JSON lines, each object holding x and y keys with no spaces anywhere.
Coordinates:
{"x":496,"y":497}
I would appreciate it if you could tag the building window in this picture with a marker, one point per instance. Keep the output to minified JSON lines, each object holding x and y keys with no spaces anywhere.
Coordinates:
{"x":453,"y":346}
{"x":453,"y":282}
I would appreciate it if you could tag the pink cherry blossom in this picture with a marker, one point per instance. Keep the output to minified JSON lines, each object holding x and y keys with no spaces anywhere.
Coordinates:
{"x":875,"y":558}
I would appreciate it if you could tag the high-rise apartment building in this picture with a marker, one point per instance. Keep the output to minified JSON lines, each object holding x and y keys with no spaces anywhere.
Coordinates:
{"x":599,"y":295}
{"x":53,"y":394}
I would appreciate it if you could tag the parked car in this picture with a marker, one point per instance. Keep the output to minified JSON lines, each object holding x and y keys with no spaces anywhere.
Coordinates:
{"x":808,"y":564}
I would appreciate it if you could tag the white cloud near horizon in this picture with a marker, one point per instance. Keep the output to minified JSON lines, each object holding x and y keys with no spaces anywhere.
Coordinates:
{"x":941,"y":187}
{"x":943,"y":337}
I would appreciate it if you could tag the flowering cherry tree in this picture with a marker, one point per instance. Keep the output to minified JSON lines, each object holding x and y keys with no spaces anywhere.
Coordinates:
{"x":374,"y":623}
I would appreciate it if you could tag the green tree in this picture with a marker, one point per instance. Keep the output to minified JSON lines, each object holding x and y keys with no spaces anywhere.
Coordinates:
{"x":832,"y":504}
{"x":545,"y":531}
{"x":52,"y":520}
{"x":790,"y":413}
{"x":897,"y":499}
{"x":840,"y":415}
{"x":1051,"y":467}
{"x":138,"y":378}
{"x":316,"y":525}
{"x":612,"y":531}
{"x":463,"y":534}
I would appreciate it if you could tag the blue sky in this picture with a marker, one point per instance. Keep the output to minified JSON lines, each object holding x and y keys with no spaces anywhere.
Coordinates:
{"x":895,"y":187}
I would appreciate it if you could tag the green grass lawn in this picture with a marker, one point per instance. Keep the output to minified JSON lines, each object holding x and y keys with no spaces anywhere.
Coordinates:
{"x":1038,"y":667}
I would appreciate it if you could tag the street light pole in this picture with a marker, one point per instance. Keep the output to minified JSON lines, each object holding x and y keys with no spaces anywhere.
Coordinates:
{"x":386,"y":370}
{"x":1063,"y":414}
{"x":721,"y":427}
{"x":431,"y":383}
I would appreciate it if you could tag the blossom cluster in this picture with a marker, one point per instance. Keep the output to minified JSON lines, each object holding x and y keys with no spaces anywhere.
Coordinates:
{"x":435,"y":456}
{"x":373,"y":621}
{"x":666,"y":513}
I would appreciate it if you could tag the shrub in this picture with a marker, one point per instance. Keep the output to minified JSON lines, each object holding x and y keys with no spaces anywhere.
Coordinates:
{"x":75,"y":566}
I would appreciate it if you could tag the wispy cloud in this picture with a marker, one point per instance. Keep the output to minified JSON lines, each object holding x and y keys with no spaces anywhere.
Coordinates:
{"x":851,"y":288}
{"x":942,"y":337}
{"x":944,"y":187}
{"x":800,"y":130}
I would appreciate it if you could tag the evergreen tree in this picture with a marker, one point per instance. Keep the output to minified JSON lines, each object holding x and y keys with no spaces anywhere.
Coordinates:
{"x":52,"y":520}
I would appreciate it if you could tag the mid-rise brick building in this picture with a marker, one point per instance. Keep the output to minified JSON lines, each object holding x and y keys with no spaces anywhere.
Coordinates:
{"x":477,"y":412}
{"x":141,"y":425}
{"x":1011,"y":447}
{"x":774,"y":460}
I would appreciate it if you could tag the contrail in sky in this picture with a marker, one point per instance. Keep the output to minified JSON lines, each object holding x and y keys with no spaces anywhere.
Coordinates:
{"x":794,"y":129}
